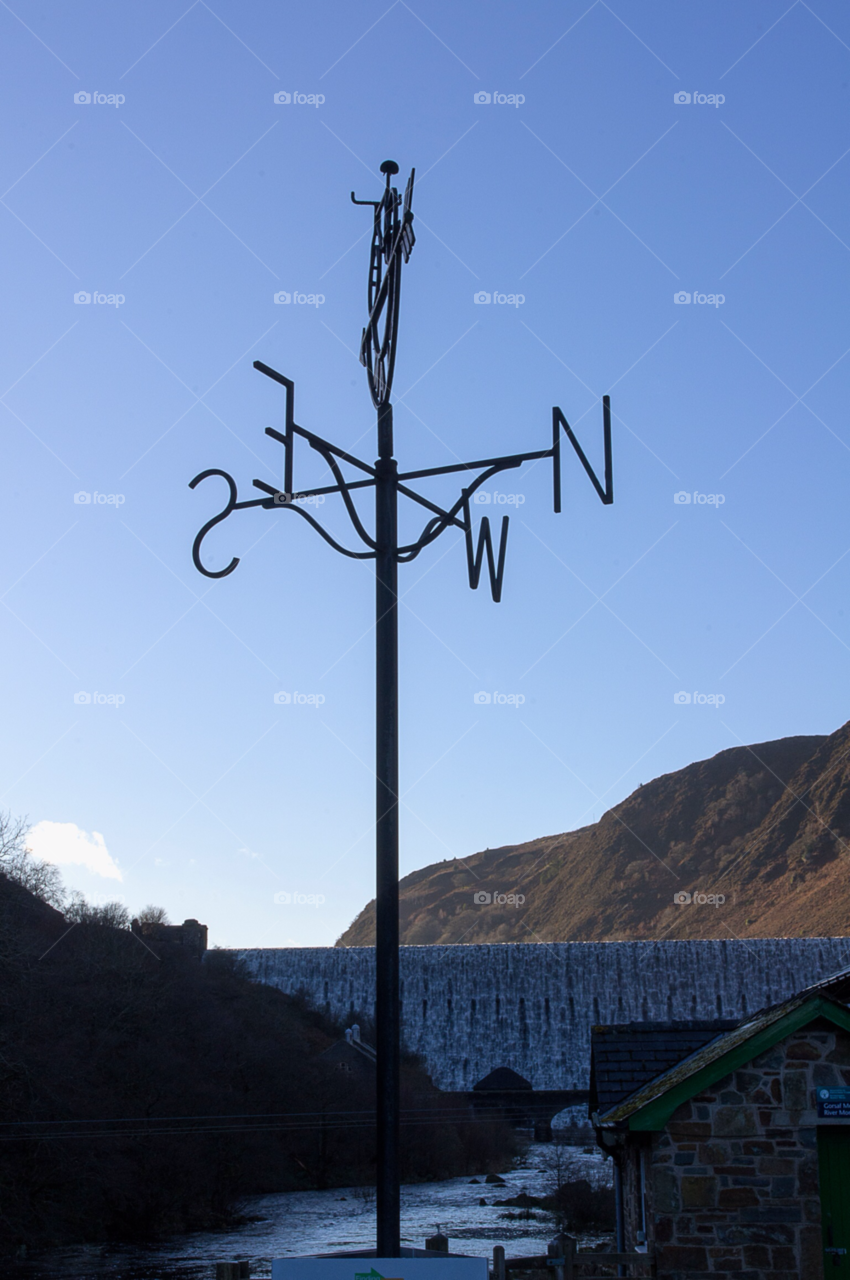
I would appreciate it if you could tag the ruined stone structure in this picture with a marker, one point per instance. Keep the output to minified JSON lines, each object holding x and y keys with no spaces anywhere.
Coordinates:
{"x":190,"y":934}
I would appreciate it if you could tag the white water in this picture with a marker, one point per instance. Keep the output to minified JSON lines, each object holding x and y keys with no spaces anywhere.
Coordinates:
{"x":320,"y":1221}
{"x":469,"y":1009}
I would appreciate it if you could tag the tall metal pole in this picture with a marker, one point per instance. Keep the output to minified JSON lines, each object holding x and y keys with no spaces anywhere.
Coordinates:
{"x":392,"y":242}
{"x":386,"y":842}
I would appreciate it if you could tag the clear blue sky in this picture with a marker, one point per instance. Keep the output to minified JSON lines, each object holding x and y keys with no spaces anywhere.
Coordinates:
{"x":597,"y":198}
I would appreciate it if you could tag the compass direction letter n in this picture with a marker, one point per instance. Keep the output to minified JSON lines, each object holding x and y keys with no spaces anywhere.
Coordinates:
{"x":606,"y":495}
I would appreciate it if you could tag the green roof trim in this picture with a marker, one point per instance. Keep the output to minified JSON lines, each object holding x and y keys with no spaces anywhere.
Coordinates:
{"x":656,"y":1112}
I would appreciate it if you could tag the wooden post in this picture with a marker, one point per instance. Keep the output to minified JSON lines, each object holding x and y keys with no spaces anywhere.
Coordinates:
{"x":498,"y":1262}
{"x":569,"y":1257}
{"x":233,"y":1270}
{"x":438,"y":1243}
{"x":556,"y":1250}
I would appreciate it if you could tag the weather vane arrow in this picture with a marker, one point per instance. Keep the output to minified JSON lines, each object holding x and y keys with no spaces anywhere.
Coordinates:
{"x":392,"y":243}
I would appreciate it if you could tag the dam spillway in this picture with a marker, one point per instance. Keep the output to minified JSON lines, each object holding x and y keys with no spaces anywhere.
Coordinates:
{"x":530,"y":1006}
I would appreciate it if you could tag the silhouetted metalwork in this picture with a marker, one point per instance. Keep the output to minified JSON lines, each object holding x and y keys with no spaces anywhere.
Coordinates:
{"x":392,"y":243}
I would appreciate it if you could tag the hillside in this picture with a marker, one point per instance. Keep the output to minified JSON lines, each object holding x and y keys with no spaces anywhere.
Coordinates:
{"x":767,"y":827}
{"x":145,"y":1092}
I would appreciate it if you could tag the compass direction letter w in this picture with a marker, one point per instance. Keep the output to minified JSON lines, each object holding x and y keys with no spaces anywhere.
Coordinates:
{"x":475,"y":559}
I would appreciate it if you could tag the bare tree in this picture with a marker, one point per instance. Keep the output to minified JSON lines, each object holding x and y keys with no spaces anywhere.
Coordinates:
{"x":556,"y":1165}
{"x":153,"y":915}
{"x":366,"y":1195}
{"x":18,"y":864}
{"x":81,"y":911}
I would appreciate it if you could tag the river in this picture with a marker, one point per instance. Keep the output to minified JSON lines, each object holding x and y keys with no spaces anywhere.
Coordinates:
{"x":306,"y":1222}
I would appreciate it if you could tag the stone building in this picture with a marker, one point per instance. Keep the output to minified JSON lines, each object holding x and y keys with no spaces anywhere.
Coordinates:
{"x":732,"y":1143}
{"x":190,"y":935}
{"x":351,"y":1057}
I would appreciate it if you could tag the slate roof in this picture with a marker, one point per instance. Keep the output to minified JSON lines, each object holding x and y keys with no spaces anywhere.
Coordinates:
{"x":836,"y":985}
{"x":627,"y":1056}
{"x":503,"y":1079}
{"x":353,"y":1053}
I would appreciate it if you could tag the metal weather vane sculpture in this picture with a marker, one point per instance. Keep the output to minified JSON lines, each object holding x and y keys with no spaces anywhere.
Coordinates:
{"x":392,"y":243}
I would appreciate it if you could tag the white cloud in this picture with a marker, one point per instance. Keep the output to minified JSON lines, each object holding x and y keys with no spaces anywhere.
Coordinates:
{"x":64,"y":843}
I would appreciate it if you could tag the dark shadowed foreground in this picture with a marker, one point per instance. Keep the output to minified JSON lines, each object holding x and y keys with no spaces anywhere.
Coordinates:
{"x":144,"y":1092}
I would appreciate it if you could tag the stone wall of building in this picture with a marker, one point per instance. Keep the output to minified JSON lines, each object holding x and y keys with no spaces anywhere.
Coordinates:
{"x":732,"y":1182}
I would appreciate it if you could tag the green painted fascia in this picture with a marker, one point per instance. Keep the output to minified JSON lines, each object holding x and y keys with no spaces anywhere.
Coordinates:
{"x":654,"y":1115}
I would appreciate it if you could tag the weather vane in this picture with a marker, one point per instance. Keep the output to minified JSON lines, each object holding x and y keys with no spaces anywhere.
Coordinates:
{"x":392,"y":243}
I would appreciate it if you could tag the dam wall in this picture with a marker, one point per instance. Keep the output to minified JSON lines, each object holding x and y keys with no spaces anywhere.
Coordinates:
{"x":469,"y":1009}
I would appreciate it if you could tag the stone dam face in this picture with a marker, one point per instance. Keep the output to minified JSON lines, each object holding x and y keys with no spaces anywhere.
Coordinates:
{"x":469,"y":1009}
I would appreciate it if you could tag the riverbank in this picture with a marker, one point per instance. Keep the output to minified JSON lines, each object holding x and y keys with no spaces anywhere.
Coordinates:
{"x":307,"y":1222}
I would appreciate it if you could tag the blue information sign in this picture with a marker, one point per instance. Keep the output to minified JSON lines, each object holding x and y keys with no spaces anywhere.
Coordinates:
{"x":834,"y":1104}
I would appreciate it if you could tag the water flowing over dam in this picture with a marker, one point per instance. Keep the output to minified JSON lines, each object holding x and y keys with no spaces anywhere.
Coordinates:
{"x":469,"y":1009}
